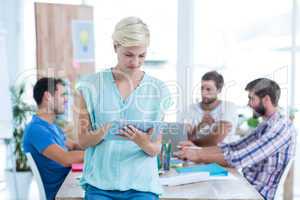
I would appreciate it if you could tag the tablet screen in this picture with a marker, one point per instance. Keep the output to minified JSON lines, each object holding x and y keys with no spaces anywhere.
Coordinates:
{"x":170,"y":130}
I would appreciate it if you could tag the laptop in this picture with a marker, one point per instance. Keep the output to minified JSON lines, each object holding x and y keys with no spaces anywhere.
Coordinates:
{"x":174,"y":132}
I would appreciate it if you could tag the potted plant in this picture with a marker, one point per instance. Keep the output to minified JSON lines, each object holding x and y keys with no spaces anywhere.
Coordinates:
{"x":21,"y":111}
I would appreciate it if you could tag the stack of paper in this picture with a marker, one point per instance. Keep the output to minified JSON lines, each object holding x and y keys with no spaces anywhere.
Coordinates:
{"x":197,"y":173}
{"x":184,"y":178}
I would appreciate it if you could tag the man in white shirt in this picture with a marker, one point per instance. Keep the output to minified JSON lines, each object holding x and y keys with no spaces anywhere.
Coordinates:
{"x":211,"y":120}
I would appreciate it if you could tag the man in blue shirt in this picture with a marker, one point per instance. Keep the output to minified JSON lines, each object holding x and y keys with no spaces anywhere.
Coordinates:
{"x":50,"y":149}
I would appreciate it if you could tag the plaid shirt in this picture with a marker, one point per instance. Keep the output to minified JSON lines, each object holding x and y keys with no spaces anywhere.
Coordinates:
{"x":263,"y":154}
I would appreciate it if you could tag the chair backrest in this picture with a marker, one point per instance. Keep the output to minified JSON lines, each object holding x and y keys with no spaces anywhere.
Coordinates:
{"x":36,"y":175}
{"x":282,"y":179}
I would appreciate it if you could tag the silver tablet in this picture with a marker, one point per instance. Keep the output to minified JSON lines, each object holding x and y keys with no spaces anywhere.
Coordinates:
{"x":172,"y":132}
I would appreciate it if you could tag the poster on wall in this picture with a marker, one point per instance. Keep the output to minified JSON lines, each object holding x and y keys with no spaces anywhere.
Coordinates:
{"x":83,"y":41}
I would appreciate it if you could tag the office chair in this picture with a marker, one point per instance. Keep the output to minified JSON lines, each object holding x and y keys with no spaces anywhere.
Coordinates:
{"x":282,"y":179}
{"x":36,"y":175}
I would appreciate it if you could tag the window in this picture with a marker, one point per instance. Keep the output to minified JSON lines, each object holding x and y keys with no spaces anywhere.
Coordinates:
{"x":160,"y":16}
{"x":243,"y":41}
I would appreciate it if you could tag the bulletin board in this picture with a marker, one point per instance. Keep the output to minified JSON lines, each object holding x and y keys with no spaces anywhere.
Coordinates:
{"x":57,"y":52}
{"x":64,"y":46}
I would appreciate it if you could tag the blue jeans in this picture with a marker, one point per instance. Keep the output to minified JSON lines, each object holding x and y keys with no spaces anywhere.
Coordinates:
{"x":93,"y":193}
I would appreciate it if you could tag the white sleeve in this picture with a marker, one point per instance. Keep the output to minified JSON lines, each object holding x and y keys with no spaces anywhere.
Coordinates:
{"x":191,"y":116}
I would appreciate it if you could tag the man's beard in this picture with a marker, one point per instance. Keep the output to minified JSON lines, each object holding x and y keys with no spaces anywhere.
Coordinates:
{"x":208,"y":101}
{"x":260,"y":110}
{"x":59,"y":110}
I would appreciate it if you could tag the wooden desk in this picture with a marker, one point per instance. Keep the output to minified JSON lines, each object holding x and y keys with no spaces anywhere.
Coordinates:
{"x":237,"y":189}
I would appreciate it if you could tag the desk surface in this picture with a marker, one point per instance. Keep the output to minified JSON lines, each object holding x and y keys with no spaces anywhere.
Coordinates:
{"x":234,"y":189}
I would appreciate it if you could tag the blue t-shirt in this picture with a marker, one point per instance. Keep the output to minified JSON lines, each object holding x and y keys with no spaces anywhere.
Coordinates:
{"x":38,"y":135}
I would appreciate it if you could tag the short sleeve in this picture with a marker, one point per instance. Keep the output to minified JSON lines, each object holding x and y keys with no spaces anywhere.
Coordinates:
{"x":62,"y":133}
{"x":41,"y":138}
{"x":230,"y":114}
{"x":191,"y":116}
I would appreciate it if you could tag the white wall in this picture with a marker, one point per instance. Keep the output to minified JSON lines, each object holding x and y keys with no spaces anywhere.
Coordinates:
{"x":11,"y":59}
{"x":11,"y":21}
{"x":5,"y":105}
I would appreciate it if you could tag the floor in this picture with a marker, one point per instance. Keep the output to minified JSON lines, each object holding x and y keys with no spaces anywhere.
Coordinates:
{"x":26,"y":189}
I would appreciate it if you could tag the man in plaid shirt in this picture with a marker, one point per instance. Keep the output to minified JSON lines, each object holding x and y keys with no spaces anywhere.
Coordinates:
{"x":264,"y":153}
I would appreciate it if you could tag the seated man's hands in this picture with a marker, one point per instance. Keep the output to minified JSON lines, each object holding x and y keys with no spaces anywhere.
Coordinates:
{"x":207,"y":119}
{"x":216,"y":134}
{"x":186,"y":143}
{"x":190,"y":154}
{"x":205,"y":123}
{"x":221,"y":127}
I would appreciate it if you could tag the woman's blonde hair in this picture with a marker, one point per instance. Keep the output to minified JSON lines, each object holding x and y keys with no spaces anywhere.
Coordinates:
{"x":131,"y":31}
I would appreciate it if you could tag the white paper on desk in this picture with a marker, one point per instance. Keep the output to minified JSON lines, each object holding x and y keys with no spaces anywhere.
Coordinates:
{"x":188,"y":178}
{"x":184,"y":178}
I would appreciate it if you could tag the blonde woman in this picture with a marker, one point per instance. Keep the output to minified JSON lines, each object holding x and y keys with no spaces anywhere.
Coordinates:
{"x":125,"y":169}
